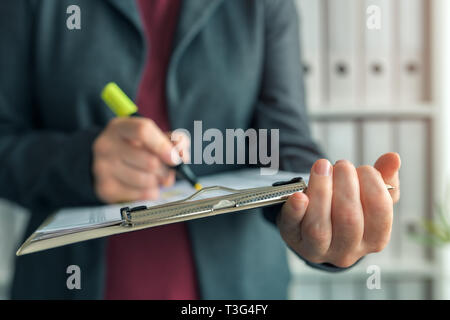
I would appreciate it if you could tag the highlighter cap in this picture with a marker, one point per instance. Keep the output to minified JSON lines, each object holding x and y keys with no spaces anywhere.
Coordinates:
{"x":118,"y":101}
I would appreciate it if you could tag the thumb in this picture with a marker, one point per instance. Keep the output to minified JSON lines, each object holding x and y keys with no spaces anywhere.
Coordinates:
{"x":181,"y":143}
{"x":389,"y":165}
{"x":291,"y":216}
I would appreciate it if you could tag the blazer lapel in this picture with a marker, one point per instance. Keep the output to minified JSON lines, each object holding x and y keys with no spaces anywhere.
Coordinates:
{"x":128,"y":8}
{"x":194,"y":14}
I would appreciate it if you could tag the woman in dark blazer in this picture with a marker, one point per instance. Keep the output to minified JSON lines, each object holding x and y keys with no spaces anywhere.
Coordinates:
{"x":234,"y":64}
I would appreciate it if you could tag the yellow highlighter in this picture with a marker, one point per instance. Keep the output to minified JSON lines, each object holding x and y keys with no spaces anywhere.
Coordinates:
{"x":123,"y":106}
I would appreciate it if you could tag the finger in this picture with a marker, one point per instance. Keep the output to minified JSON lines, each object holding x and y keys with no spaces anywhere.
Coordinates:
{"x":139,"y":158}
{"x":134,"y":178}
{"x":388,"y":165}
{"x":169,"y":179}
{"x":290,"y":218}
{"x":112,"y":191}
{"x":166,"y":176}
{"x":146,"y":132}
{"x":316,"y":227}
{"x":377,"y":207}
{"x":145,"y":161}
{"x":182,"y":144}
{"x":346,"y":214}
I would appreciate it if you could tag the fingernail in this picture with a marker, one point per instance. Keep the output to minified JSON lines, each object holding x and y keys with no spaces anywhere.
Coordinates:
{"x":323,"y":168}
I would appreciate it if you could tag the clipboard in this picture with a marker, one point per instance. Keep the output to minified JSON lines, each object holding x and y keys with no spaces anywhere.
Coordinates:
{"x":142,"y":217}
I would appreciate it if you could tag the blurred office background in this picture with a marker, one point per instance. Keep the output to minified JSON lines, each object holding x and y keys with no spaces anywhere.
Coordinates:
{"x":370,"y":89}
{"x":376,"y":77}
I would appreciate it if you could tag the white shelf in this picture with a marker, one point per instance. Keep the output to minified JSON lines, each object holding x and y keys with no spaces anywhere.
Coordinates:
{"x":336,"y":113}
{"x":399,"y":270}
{"x":437,"y":115}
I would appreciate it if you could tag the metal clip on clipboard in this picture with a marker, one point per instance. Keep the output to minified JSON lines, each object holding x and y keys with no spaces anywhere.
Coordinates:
{"x":189,"y":208}
{"x":142,"y":217}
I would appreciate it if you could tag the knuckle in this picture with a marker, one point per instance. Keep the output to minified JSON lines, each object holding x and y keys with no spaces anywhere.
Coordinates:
{"x":380,"y":204}
{"x":141,"y":129}
{"x":350,"y":216}
{"x":313,"y":231}
{"x":344,"y":261}
{"x":152,"y":163}
{"x":317,"y":234}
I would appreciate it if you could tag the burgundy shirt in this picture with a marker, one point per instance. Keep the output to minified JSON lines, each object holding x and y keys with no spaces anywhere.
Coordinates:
{"x":155,"y":263}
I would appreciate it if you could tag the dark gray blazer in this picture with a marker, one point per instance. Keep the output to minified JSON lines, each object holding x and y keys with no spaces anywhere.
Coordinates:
{"x":235,"y":64}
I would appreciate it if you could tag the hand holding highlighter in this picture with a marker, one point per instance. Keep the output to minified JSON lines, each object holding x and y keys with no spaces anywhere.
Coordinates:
{"x":123,"y":106}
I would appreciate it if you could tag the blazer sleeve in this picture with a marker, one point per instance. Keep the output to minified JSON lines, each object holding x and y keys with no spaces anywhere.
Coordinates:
{"x":39,"y":168}
{"x":281,"y":103}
